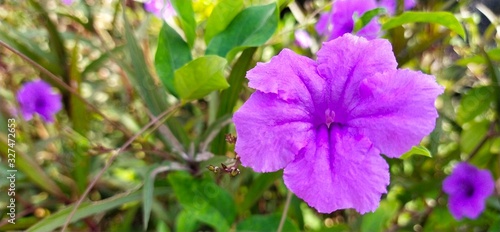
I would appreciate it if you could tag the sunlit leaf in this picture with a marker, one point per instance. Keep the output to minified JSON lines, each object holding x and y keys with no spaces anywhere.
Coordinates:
{"x":367,"y":18}
{"x":186,"y":15}
{"x":223,"y":13}
{"x":250,"y":28}
{"x":199,"y":77}
{"x":416,"y":150}
{"x":443,"y":18}
{"x":172,"y":53}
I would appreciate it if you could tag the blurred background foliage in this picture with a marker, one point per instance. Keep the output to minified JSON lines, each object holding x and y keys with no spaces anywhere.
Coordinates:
{"x":118,"y":67}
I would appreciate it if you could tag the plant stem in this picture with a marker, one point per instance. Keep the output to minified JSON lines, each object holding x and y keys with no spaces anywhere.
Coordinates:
{"x":285,"y":210}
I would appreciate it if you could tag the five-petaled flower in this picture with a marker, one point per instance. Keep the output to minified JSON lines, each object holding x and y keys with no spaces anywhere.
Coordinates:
{"x":468,"y":188}
{"x":326,"y":122}
{"x":160,"y":8}
{"x":38,"y":97}
{"x":340,"y":20}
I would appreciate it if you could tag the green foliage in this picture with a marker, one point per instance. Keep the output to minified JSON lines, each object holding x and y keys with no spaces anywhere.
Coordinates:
{"x":172,"y":53}
{"x":223,"y":13}
{"x":252,"y":27}
{"x":199,"y":77}
{"x":417,"y":150}
{"x":263,"y":223}
{"x":446,"y":19}
{"x":475,"y":102}
{"x":367,"y":18}
{"x":204,"y":200}
{"x":56,"y":220}
{"x":186,"y":16}
{"x":134,"y":171}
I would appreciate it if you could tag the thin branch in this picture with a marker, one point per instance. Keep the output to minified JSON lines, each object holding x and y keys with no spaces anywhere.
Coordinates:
{"x":114,"y":156}
{"x":66,"y":87}
{"x":285,"y":210}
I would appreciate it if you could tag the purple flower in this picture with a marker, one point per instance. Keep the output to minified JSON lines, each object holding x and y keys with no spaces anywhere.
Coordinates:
{"x":340,"y":20}
{"x":303,"y":39}
{"x":37,"y":97}
{"x":67,"y":2}
{"x":160,"y":8}
{"x":326,"y":122}
{"x":467,"y":188}
{"x":391,"y":5}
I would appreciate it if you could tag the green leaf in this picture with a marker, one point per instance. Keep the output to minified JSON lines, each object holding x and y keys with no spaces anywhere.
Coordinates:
{"x":367,"y":17}
{"x":147,"y":195}
{"x":494,"y":54}
{"x":200,"y":77}
{"x":250,"y":28}
{"x":223,"y":13}
{"x":80,"y":121}
{"x":186,"y":15}
{"x":417,"y":150}
{"x":31,"y":169}
{"x":472,"y":134}
{"x":265,"y":223}
{"x":56,"y":43}
{"x":148,"y":188}
{"x":172,"y":53}
{"x":140,"y":76}
{"x":204,"y":200}
{"x":443,"y":18}
{"x":257,"y":188}
{"x":185,"y":222}
{"x":475,"y":102}
{"x":378,"y":220}
{"x":87,"y":209}
{"x":230,"y":96}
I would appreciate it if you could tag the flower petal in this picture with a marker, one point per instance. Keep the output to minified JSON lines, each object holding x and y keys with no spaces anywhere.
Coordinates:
{"x":270,"y":132}
{"x":292,"y":77}
{"x":346,"y":61}
{"x":395,"y":110}
{"x":338,"y":169}
{"x":460,"y":207}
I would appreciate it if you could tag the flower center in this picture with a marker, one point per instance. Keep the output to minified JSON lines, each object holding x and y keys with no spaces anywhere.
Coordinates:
{"x":329,"y":117}
{"x":39,"y":103}
{"x":469,"y":190}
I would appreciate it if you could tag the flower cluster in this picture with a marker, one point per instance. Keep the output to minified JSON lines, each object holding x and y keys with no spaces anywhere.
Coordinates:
{"x":468,"y":187}
{"x":37,"y":97}
{"x":327,"y":121}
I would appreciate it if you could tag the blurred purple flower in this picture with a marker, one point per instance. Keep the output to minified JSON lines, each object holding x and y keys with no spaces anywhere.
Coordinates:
{"x":326,"y":122}
{"x":37,"y":97}
{"x":67,"y":2}
{"x":340,"y":20}
{"x":391,"y":5}
{"x":468,"y":188}
{"x":303,"y":39}
{"x":160,"y":8}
